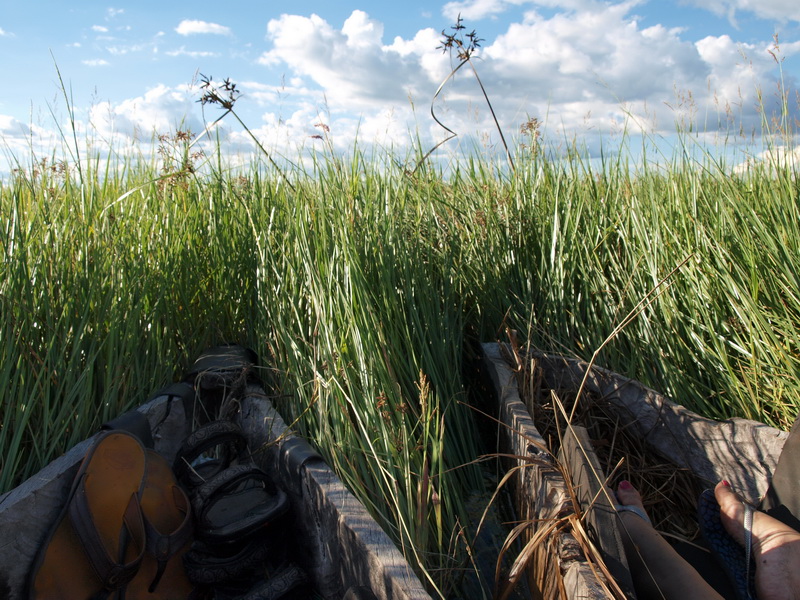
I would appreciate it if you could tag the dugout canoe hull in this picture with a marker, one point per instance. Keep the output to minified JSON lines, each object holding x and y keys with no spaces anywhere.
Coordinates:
{"x":344,"y":546}
{"x":743,"y":452}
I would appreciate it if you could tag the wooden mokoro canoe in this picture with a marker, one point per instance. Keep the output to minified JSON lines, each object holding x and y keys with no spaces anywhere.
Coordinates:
{"x":343,"y":545}
{"x":743,"y":452}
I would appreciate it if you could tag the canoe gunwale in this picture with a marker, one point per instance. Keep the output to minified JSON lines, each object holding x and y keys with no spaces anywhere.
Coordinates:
{"x":742,"y":451}
{"x":346,"y":547}
{"x":539,"y":491}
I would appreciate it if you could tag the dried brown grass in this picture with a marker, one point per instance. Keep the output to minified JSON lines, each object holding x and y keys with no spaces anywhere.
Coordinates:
{"x":669,"y":493}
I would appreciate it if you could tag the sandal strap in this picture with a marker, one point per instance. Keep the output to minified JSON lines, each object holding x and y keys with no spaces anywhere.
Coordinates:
{"x":228,"y":477}
{"x":163,"y":547}
{"x":204,"y":567}
{"x":634,"y":509}
{"x":217,"y":433}
{"x":113,"y":574}
{"x":748,"y":538}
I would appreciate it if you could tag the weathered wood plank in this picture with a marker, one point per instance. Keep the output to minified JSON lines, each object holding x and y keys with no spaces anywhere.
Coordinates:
{"x":588,"y":481}
{"x":344,"y":547}
{"x":539,"y":490}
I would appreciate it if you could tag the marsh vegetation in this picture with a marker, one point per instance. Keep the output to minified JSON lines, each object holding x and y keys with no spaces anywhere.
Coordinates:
{"x":365,"y":283}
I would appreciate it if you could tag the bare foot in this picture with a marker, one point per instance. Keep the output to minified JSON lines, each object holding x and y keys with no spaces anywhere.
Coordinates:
{"x":776,"y":547}
{"x":658,"y":571}
{"x":629,"y":495}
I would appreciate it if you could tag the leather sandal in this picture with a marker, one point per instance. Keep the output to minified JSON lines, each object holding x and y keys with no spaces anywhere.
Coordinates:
{"x":212,"y":565}
{"x":96,"y":545}
{"x":231,"y":497}
{"x":169,"y":532}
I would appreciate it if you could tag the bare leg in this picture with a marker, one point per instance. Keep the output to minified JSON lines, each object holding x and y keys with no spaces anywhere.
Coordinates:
{"x":658,"y":570}
{"x":776,"y":547}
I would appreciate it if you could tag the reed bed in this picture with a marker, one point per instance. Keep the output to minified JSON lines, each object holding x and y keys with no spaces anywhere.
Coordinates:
{"x":364,"y":286}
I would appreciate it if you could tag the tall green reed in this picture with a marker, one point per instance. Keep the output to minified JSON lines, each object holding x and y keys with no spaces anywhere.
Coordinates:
{"x":363,"y":287}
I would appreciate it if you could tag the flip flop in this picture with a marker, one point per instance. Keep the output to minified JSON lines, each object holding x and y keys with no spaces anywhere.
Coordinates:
{"x":168,"y":525}
{"x":96,"y":545}
{"x":236,"y":504}
{"x":227,"y":441}
{"x":633,"y":509}
{"x":232,"y":499}
{"x":736,"y":562}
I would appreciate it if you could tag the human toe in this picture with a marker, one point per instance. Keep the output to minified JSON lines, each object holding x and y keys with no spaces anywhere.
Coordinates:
{"x":629,"y":495}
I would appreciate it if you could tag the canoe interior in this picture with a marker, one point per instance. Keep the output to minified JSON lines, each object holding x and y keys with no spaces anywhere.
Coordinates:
{"x":340,"y":544}
{"x":743,"y":452}
{"x":557,"y":566}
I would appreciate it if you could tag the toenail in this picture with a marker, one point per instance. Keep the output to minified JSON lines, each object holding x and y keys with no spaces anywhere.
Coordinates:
{"x":625,"y":485}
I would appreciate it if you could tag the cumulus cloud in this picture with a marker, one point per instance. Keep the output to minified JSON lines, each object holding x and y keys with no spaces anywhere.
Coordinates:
{"x":95,"y":62}
{"x":591,"y":68}
{"x":600,"y":55}
{"x":351,"y":64}
{"x":99,"y":28}
{"x":193,"y":27}
{"x":9,"y":126}
{"x":779,"y":10}
{"x":778,"y":157}
{"x":21,"y":142}
{"x":160,"y":110}
{"x":3,"y":32}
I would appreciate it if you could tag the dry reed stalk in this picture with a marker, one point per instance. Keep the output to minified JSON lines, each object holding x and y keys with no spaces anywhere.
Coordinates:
{"x":669,"y":493}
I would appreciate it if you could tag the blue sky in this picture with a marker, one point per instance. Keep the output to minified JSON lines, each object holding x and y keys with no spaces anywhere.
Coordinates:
{"x":584,"y":68}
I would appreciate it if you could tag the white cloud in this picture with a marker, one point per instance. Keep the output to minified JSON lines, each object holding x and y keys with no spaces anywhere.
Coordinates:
{"x":9,"y":126}
{"x":182,"y":51}
{"x":95,"y":62}
{"x":22,"y":143}
{"x":112,"y":13}
{"x":588,"y":70}
{"x":193,"y":27}
{"x":600,"y":54}
{"x":778,"y":157}
{"x":480,"y":9}
{"x":159,"y":110}
{"x":351,"y":64}
{"x":779,"y":10}
{"x":361,"y":31}
{"x":99,"y":29}
{"x":3,"y":32}
{"x":122,"y":50}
